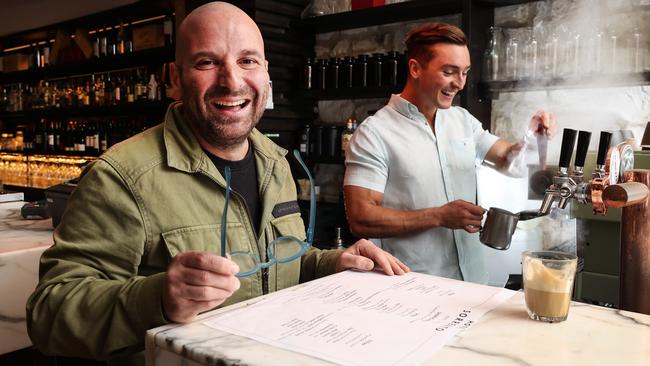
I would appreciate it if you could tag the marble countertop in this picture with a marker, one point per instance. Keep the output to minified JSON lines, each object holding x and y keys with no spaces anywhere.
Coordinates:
{"x":591,"y":335}
{"x":21,"y":244}
{"x":19,"y":233}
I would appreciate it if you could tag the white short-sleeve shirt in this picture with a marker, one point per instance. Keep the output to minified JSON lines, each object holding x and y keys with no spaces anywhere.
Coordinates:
{"x":396,"y":153}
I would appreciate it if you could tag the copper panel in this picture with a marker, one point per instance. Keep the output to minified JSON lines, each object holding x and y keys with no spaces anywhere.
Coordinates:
{"x":635,"y":251}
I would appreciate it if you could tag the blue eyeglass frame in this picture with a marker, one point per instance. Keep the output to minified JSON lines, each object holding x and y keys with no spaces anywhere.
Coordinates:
{"x":304,"y":245}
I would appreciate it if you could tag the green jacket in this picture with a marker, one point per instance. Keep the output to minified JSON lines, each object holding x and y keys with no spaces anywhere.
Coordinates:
{"x":137,"y":206}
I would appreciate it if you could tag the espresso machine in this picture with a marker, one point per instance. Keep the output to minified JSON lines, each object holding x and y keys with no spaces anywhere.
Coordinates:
{"x":614,"y":184}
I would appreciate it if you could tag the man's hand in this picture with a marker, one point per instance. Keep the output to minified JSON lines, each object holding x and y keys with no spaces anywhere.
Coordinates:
{"x":197,"y":282}
{"x":366,"y":256}
{"x":461,"y":214}
{"x":544,"y":124}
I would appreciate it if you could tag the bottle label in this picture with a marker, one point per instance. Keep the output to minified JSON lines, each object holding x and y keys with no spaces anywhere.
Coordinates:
{"x":345,"y":141}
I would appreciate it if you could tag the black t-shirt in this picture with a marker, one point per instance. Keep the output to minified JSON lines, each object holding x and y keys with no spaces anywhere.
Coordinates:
{"x":243,"y":182}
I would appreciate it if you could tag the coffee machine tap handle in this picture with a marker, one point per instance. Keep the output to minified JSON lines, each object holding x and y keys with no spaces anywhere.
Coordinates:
{"x":568,"y":141}
{"x":584,"y":137}
{"x":603,"y":147}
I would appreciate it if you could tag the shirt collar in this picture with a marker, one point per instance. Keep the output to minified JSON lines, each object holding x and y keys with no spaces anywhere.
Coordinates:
{"x":407,"y":109}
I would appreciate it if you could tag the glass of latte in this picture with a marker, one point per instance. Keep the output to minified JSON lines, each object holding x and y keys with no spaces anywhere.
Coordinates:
{"x":548,"y":284}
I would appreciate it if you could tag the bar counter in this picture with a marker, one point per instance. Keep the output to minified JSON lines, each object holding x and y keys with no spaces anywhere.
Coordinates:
{"x":591,"y":335}
{"x":21,"y":244}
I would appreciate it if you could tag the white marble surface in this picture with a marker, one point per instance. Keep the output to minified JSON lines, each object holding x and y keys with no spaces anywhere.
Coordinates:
{"x":591,"y":336}
{"x":21,"y":244}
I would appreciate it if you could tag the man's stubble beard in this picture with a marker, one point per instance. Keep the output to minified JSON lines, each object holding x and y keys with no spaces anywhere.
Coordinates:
{"x":214,"y":129}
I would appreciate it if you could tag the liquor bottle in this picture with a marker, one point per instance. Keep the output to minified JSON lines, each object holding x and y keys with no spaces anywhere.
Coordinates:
{"x":103,"y":139}
{"x":120,"y":42}
{"x":96,"y":46}
{"x":58,"y":136}
{"x":4,"y":99}
{"x":51,"y":147}
{"x":46,"y":56}
{"x":131,"y":86}
{"x":141,"y":85}
{"x":111,"y":45}
{"x":47,"y":95}
{"x":36,"y":57}
{"x":152,"y":88}
{"x":81,"y":137}
{"x":103,"y":44}
{"x":307,"y":73}
{"x":346,"y":135}
{"x":38,"y":137}
{"x":117,"y":90}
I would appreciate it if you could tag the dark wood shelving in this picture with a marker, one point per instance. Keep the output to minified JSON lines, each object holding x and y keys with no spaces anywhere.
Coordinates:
{"x":153,"y":56}
{"x":350,"y":93}
{"x":492,"y":89}
{"x":143,"y":108}
{"x":80,"y":154}
{"x":111,"y":17}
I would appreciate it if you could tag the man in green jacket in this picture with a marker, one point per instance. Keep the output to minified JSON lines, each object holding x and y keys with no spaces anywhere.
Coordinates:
{"x":139,"y":244}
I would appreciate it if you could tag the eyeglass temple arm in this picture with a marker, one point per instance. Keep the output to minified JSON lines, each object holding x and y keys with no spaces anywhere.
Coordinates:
{"x":225,"y":212}
{"x":312,"y":204}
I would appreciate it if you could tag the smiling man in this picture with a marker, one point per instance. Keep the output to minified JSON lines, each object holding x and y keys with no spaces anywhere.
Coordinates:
{"x":410,"y":177}
{"x":140,"y":242}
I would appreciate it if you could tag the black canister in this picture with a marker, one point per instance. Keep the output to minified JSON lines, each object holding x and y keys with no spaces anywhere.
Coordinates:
{"x":374,"y":70}
{"x":316,"y":149}
{"x":320,"y":75}
{"x":333,"y":73}
{"x":390,"y":68}
{"x":330,"y":142}
{"x":361,"y":71}
{"x":346,"y":73}
{"x":307,"y":72}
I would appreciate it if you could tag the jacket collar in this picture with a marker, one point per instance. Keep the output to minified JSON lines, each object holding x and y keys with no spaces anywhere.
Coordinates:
{"x":185,"y":153}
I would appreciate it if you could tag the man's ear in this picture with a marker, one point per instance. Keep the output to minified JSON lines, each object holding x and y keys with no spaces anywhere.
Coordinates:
{"x":414,"y":68}
{"x":266,"y":63}
{"x":177,"y":87}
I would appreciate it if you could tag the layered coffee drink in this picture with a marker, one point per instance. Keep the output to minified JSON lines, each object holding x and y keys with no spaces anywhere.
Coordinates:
{"x":548,"y":284}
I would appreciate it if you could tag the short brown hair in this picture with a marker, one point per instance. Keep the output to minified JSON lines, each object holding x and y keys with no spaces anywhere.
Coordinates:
{"x":419,"y":39}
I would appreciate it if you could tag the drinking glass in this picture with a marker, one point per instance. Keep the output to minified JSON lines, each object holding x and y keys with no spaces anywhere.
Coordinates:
{"x":548,"y":278}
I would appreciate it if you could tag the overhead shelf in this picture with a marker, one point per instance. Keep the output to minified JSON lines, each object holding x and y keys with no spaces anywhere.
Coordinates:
{"x":492,"y":89}
{"x":143,"y":108}
{"x":94,"y":65}
{"x":410,"y":10}
{"x":392,"y":13}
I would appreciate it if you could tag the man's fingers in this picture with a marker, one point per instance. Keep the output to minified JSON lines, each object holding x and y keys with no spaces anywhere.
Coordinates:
{"x":472,"y":228}
{"x":206,"y":293}
{"x":197,"y":277}
{"x":399,"y":268}
{"x":208,"y":262}
{"x":354,"y":261}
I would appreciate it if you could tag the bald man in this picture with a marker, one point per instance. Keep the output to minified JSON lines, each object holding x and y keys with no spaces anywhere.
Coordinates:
{"x":139,"y":245}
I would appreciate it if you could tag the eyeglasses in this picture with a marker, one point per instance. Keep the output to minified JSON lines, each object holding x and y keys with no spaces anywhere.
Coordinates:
{"x":283,"y":249}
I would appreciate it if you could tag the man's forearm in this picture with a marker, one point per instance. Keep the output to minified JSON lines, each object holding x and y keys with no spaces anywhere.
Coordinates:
{"x":380,"y":222}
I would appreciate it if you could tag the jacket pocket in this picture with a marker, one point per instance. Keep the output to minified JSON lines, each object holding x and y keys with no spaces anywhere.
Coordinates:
{"x":205,"y":238}
{"x":290,"y":226}
{"x":462,"y":154}
{"x":287,"y":274}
